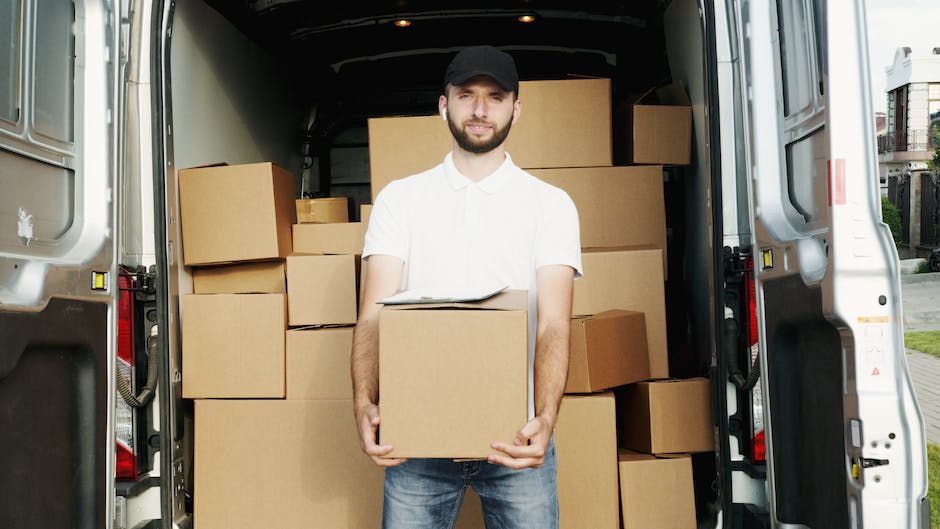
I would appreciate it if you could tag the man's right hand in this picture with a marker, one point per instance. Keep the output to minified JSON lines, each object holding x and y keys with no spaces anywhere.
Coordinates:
{"x":367,"y":417}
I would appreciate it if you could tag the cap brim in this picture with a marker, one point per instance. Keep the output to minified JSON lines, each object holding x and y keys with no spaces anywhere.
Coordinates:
{"x":466,"y":76}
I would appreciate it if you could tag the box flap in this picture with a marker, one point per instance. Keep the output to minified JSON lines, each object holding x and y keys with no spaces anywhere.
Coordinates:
{"x":501,"y":300}
{"x":671,"y":94}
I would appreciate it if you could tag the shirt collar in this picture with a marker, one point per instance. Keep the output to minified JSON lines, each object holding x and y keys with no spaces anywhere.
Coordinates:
{"x":490,"y":185}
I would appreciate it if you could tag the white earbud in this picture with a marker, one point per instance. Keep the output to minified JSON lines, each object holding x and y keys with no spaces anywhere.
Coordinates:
{"x":444,"y":114}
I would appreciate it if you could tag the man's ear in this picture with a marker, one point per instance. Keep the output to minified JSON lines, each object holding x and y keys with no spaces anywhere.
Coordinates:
{"x":516,"y":111}
{"x":442,"y":107}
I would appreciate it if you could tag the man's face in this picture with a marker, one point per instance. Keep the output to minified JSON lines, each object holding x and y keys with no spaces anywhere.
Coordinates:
{"x":480,"y":114}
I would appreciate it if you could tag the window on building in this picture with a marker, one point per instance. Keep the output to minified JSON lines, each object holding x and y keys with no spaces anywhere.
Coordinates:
{"x":933,"y":114}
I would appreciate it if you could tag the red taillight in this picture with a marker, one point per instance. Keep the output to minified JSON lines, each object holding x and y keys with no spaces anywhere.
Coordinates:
{"x":126,"y":459}
{"x":125,"y":349}
{"x":760,"y":448}
{"x":126,"y":466}
{"x":751,"y":301}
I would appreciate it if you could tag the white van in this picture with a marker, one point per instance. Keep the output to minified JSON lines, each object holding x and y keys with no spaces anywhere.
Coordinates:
{"x":774,"y":227}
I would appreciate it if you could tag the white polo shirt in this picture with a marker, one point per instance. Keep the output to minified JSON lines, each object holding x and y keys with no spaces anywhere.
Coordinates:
{"x":453,"y":233}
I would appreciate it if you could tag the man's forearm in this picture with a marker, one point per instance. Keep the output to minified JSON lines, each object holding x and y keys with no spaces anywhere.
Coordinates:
{"x":364,"y":363}
{"x":551,"y":369}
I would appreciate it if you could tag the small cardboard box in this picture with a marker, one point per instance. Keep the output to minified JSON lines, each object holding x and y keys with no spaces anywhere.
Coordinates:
{"x":617,"y":206}
{"x":288,"y":464}
{"x":365,"y":211}
{"x":403,"y":146}
{"x":321,"y":289}
{"x":322,"y":210}
{"x":266,"y":277}
{"x":607,"y":350}
{"x":335,"y":238}
{"x":628,"y":279}
{"x":586,"y":445}
{"x":656,"y":492}
{"x":236,"y":213}
{"x":318,"y":364}
{"x":661,"y":131}
{"x":453,"y":377}
{"x":667,"y":416}
{"x":233,"y":345}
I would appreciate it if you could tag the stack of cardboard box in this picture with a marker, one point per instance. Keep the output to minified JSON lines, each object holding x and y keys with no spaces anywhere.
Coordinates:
{"x":268,"y":332}
{"x":619,"y":328}
{"x":275,"y":439}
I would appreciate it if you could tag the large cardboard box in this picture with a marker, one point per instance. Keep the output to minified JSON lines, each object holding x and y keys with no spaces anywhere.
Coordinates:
{"x":403,"y":146}
{"x":322,"y":210}
{"x":318,"y":364}
{"x":333,"y":238}
{"x":586,"y":446}
{"x":656,"y":492}
{"x":667,"y":416}
{"x":661,"y":131}
{"x":607,"y":350}
{"x":242,"y":278}
{"x":236,"y":213}
{"x":453,"y":377}
{"x":233,"y":345}
{"x":617,"y":206}
{"x":629,"y":279}
{"x":288,"y":464}
{"x":321,"y":289}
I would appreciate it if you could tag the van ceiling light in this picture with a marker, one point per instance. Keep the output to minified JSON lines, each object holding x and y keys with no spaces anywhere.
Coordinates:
{"x":525,"y":19}
{"x":403,"y":22}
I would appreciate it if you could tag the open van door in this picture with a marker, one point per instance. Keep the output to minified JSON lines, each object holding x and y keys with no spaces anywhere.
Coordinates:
{"x":845,"y":437}
{"x":58,"y":170}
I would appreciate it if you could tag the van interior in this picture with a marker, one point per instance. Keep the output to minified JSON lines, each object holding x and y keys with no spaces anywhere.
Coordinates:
{"x":294,"y":82}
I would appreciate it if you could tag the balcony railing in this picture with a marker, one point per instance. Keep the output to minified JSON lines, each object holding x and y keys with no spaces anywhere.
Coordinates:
{"x":907,"y":140}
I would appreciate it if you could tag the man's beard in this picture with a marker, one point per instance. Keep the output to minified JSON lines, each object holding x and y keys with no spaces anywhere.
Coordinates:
{"x":469,"y":144}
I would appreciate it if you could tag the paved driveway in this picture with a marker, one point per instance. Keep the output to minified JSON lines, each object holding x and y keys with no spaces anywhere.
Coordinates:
{"x":920,"y":298}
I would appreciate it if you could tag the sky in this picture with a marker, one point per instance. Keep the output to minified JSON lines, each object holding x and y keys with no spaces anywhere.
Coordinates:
{"x":893,"y":24}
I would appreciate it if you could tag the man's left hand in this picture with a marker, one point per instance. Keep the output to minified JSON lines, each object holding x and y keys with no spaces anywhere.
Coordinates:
{"x":527,"y":449}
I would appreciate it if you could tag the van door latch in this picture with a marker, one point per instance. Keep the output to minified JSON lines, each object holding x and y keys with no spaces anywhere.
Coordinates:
{"x":870,"y":463}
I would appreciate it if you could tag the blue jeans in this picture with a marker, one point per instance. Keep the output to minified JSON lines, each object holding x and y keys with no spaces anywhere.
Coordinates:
{"x":428,"y":493}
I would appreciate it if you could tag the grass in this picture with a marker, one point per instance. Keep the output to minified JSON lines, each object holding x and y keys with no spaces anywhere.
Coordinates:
{"x":923,"y":341}
{"x":933,"y":489}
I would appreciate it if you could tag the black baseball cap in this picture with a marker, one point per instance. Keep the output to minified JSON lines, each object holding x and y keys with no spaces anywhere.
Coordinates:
{"x":483,"y":60}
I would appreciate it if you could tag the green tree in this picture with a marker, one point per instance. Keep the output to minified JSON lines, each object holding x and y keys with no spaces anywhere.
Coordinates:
{"x":891,"y":217}
{"x":934,"y":163}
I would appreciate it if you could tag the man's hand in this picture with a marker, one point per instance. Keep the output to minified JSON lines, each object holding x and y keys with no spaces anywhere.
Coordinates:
{"x":527,"y":449}
{"x":367,"y":417}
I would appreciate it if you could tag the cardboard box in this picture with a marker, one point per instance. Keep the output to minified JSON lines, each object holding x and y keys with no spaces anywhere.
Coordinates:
{"x":403,"y":146}
{"x":288,"y":464}
{"x":617,"y":206}
{"x":607,"y":350}
{"x":242,"y":278}
{"x":365,"y":211}
{"x":586,"y":445}
{"x":628,"y":279}
{"x":453,"y":381}
{"x":318,"y":364}
{"x":667,"y":416}
{"x":321,"y":289}
{"x":322,"y":210}
{"x":656,"y":493}
{"x":661,"y":131}
{"x":336,"y":238}
{"x":233,"y":345}
{"x":236,"y":213}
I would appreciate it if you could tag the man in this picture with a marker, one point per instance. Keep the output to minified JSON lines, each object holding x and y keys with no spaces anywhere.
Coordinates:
{"x":474,"y":220}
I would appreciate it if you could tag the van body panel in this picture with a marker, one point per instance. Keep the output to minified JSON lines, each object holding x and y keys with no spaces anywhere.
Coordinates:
{"x":845,"y":437}
{"x":58,"y":284}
